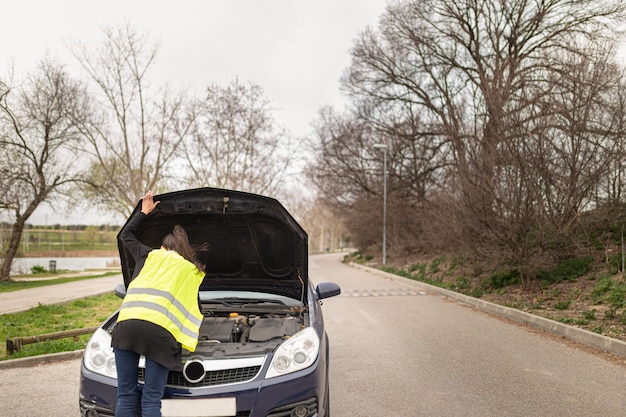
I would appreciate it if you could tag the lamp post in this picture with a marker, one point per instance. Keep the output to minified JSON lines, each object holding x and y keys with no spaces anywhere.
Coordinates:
{"x":384,"y":148}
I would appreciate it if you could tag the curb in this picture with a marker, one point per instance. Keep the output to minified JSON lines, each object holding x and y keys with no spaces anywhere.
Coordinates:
{"x":41,"y":359}
{"x":575,"y":334}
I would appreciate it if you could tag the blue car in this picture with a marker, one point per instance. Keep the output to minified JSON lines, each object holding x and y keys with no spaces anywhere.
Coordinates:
{"x":263,"y":350}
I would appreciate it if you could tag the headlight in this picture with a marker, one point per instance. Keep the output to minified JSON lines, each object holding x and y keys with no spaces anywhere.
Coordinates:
{"x":297,"y":353}
{"x":99,"y":357}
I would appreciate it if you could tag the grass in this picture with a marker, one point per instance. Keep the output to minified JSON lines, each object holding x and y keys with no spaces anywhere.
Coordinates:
{"x":78,"y":314}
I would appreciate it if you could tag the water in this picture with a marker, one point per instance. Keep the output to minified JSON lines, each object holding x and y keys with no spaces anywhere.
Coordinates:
{"x":24,"y":265}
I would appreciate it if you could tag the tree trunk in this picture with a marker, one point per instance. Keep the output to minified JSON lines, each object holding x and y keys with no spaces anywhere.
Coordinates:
{"x":14,"y":244}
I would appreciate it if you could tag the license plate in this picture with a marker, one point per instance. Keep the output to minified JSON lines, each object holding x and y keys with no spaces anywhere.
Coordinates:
{"x":201,"y":407}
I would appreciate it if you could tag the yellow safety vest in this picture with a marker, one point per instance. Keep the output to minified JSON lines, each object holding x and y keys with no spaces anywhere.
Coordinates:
{"x":166,"y":293}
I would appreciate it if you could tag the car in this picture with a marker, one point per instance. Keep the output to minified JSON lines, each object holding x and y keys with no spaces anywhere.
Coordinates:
{"x":263,"y":350}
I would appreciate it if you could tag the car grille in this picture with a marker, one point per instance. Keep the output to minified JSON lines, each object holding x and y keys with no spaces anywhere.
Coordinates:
{"x":211,"y":378}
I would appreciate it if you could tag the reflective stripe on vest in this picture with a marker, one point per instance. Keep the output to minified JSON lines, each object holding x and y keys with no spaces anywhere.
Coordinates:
{"x":163,"y":310}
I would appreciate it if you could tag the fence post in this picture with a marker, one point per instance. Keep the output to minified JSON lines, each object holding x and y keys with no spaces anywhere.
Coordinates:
{"x":14,"y":345}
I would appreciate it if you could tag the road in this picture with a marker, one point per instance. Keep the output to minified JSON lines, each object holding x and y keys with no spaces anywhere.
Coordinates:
{"x":16,"y":301}
{"x":398,"y":355}
{"x":398,"y":351}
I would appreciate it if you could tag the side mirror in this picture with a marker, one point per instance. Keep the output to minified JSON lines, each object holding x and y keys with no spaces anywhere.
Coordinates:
{"x":120,"y":291}
{"x":327,"y":289}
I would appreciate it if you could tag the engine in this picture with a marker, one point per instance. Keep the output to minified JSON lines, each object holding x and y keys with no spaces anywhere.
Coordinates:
{"x":250,"y":328}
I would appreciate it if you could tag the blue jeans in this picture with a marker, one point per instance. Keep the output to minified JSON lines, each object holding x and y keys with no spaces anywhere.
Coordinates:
{"x":127,"y":363}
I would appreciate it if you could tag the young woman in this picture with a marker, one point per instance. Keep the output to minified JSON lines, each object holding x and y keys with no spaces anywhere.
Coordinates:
{"x":158,"y":317}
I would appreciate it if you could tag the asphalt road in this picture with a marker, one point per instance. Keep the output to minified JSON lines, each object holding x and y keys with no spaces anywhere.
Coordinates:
{"x":397,"y":350}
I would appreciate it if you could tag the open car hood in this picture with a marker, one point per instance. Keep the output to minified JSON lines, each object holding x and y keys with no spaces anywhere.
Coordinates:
{"x":253,"y":243}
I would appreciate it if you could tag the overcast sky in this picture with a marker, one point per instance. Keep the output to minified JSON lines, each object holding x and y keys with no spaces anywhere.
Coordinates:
{"x":296,"y":50}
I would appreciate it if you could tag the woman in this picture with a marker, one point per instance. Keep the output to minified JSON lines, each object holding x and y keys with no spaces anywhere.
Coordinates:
{"x":158,"y":317}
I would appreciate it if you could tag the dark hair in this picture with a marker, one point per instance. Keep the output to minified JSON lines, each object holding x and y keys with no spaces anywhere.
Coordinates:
{"x":178,"y":241}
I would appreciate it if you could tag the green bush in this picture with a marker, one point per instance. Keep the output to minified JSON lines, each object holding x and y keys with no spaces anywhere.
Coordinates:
{"x":37,"y":269}
{"x":418,"y":271}
{"x":434,"y":265}
{"x":396,"y":271}
{"x":417,"y":267}
{"x":502,"y":279}
{"x":462,"y":283}
{"x":610,"y":314}
{"x":348,"y":257}
{"x":455,"y":261}
{"x":358,"y":257}
{"x":562,"y":305}
{"x":615,"y":263}
{"x":569,"y":270}
{"x":590,"y":315}
{"x":610,"y":292}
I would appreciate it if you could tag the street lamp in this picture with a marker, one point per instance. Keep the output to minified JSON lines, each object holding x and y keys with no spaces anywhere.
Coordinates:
{"x":384,"y":148}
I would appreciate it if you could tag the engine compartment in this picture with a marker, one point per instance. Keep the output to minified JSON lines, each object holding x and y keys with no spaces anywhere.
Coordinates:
{"x":231,"y":328}
{"x":242,"y":329}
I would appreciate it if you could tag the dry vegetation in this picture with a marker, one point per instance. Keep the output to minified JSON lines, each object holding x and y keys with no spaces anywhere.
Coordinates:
{"x":593,"y":299}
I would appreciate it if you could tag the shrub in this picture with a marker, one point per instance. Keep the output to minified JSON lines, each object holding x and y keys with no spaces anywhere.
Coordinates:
{"x":396,"y":271}
{"x":502,"y":279}
{"x":37,"y":269}
{"x":590,"y":315}
{"x":358,"y":257}
{"x":609,"y":291}
{"x":455,"y":261}
{"x":421,"y":271}
{"x":609,"y":314}
{"x":434,"y":266}
{"x":462,"y":283}
{"x":568,"y":270}
{"x":615,"y":263}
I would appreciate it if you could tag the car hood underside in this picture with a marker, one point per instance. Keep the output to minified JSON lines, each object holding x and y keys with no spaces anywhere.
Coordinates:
{"x":250,"y":241}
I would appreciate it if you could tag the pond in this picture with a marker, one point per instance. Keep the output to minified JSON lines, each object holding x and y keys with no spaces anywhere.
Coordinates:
{"x":24,"y":265}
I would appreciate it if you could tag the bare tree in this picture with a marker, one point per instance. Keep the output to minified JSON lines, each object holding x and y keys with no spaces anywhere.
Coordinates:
{"x":236,"y":142}
{"x":346,"y":165}
{"x":477,"y":84}
{"x":348,"y":172}
{"x":325,"y":229}
{"x":139,"y":129}
{"x":39,"y":142}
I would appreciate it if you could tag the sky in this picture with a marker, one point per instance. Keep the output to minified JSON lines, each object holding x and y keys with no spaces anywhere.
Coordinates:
{"x":295,"y":50}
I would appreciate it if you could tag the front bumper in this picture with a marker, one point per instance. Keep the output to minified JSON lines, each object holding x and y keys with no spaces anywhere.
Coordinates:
{"x":275,"y":397}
